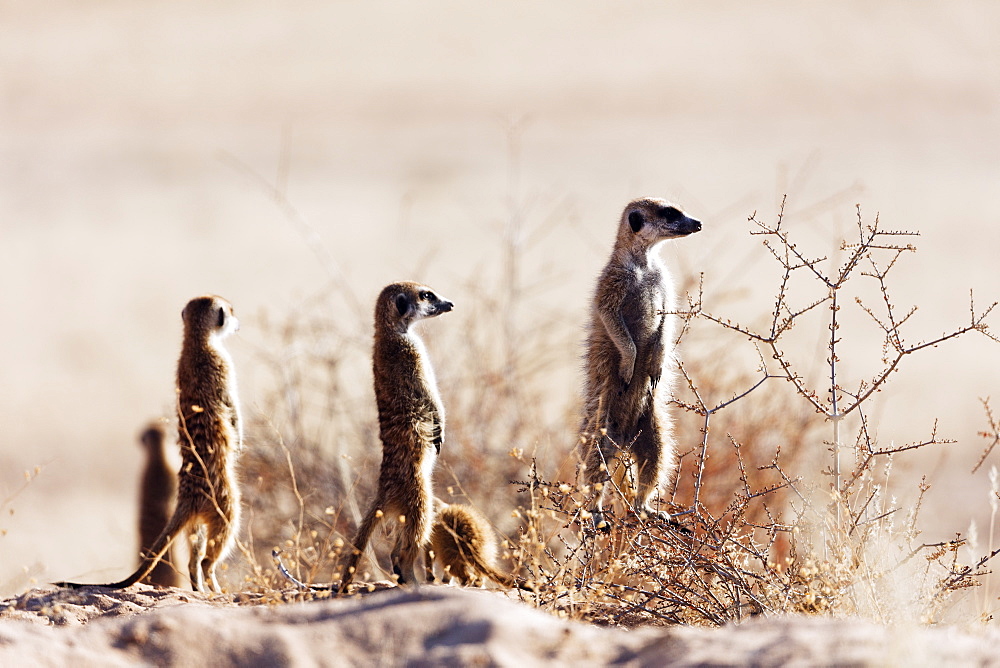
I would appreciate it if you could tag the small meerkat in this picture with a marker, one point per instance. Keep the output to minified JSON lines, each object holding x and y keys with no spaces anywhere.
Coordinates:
{"x":411,"y":427}
{"x":211,"y":437}
{"x":463,"y":543}
{"x":629,"y":358}
{"x":157,"y":491}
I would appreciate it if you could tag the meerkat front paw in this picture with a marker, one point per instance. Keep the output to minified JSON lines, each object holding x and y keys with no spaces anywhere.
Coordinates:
{"x":625,"y":370}
{"x":654,"y":380}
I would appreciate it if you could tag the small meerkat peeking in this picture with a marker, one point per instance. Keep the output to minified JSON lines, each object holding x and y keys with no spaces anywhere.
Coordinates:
{"x":463,"y":543}
{"x":211,"y":437}
{"x":411,"y":427}
{"x":157,"y":492}
{"x":629,"y":359}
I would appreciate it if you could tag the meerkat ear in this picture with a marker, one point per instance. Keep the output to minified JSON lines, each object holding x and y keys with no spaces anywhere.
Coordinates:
{"x":402,"y":304}
{"x":635,"y":221}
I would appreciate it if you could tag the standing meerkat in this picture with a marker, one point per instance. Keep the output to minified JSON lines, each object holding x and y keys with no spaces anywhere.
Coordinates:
{"x":629,"y":358}
{"x":211,"y":437}
{"x":157,"y":491}
{"x":411,"y":427}
{"x":463,"y":543}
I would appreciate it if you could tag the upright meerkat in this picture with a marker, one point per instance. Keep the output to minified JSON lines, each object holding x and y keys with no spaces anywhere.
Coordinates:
{"x":411,"y":427}
{"x":211,"y":437}
{"x":629,"y":355}
{"x":157,"y":492}
{"x":463,"y":543}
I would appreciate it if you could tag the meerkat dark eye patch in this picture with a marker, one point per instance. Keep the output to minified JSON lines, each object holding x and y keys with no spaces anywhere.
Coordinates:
{"x":635,"y":221}
{"x":428,"y":296}
{"x":402,"y":304}
{"x":222,"y":316}
{"x":670,"y":214}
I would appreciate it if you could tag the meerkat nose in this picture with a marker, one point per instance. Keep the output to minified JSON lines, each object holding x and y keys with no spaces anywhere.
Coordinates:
{"x":692,"y":226}
{"x":445,"y":306}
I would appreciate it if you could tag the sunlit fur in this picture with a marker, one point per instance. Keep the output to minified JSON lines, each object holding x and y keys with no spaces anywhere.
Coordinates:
{"x":463,"y":543}
{"x":411,"y":427}
{"x":211,"y":437}
{"x":629,"y":358}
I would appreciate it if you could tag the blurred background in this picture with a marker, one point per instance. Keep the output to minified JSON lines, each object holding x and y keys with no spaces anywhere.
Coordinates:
{"x":283,"y":153}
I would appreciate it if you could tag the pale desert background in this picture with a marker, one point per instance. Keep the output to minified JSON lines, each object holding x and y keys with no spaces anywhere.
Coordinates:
{"x":404,"y":135}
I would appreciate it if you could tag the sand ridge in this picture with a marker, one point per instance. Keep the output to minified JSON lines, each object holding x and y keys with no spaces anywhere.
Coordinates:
{"x":430,"y":625}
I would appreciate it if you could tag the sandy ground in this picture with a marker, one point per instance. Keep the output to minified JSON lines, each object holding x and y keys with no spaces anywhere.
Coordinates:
{"x":127,"y":133}
{"x":430,"y":626}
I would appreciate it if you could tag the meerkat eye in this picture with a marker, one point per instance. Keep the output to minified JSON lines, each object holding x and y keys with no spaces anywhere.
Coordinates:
{"x":428,"y":296}
{"x":635,"y":221}
{"x":222,"y":316}
{"x":402,"y":304}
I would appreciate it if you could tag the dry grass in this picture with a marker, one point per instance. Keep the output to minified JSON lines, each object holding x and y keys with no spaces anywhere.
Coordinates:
{"x":785,"y":499}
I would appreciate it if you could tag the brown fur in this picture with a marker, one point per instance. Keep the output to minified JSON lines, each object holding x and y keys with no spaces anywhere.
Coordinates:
{"x":463,"y":543}
{"x":211,"y":436}
{"x":157,"y":493}
{"x":411,"y":426}
{"x":628,"y":358}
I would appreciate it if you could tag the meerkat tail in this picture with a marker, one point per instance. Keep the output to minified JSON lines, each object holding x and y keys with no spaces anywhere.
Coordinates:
{"x":150,"y":558}
{"x":276,"y":555}
{"x":503,"y":579}
{"x":360,"y":543}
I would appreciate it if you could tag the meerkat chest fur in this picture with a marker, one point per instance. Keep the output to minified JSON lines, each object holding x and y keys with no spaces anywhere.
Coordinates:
{"x":409,"y":406}
{"x":647,"y":299}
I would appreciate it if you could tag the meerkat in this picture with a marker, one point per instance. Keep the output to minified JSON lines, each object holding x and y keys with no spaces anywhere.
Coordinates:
{"x":629,"y":359}
{"x":463,"y":543}
{"x":411,"y":427}
{"x":157,"y":492}
{"x":211,"y":437}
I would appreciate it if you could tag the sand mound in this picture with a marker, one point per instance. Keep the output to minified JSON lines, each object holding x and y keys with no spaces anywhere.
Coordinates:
{"x":425,"y":626}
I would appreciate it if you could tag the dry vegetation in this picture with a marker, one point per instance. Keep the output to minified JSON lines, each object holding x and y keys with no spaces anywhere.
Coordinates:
{"x":785,"y":498}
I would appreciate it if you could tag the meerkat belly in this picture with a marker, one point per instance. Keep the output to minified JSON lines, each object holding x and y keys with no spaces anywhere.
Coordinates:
{"x":408,"y":450}
{"x":644,"y":317}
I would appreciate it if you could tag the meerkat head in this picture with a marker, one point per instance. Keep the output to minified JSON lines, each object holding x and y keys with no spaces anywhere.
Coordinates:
{"x":402,"y":304}
{"x":650,"y":221}
{"x":153,"y":435}
{"x":209,"y":316}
